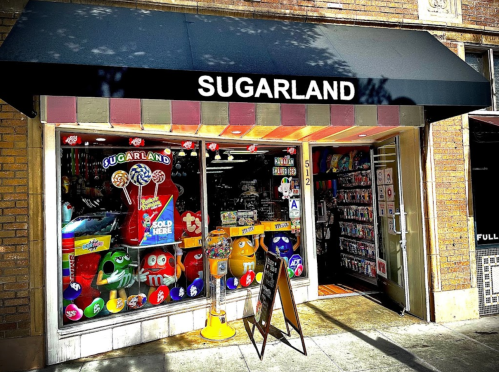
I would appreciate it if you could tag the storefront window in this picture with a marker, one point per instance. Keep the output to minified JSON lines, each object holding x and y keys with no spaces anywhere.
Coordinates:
{"x":254,"y":194}
{"x":130,"y":224}
{"x":496,"y":80}
{"x":486,"y":63}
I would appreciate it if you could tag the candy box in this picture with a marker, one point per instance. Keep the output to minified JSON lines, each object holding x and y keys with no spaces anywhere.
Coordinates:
{"x":228,"y":217}
{"x":152,"y":223}
{"x":91,"y":244}
{"x":245,"y":217}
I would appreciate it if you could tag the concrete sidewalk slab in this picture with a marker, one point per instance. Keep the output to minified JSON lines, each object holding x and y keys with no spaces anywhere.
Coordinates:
{"x":484,"y":330}
{"x":350,"y":334}
{"x":443,"y":348}
{"x":64,"y":367}
{"x":367,"y":350}
{"x":150,"y":363}
{"x":206,"y":360}
{"x":279,"y":356}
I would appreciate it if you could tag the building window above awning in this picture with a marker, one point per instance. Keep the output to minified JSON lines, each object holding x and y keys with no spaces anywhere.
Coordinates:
{"x":63,"y":49}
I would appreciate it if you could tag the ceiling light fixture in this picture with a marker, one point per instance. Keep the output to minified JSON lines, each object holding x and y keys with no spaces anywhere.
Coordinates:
{"x":217,"y":156}
{"x":100,"y":139}
{"x":181,"y":152}
{"x":244,"y":152}
{"x":362,"y":135}
{"x":228,"y":161}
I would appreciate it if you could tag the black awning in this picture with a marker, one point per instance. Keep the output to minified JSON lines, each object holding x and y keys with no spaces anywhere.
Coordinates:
{"x":82,"y":50}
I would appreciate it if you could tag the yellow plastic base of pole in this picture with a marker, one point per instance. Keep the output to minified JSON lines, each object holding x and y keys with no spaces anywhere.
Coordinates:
{"x":217,"y":328}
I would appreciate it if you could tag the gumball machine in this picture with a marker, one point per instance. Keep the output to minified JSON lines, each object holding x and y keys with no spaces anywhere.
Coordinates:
{"x":218,"y":247}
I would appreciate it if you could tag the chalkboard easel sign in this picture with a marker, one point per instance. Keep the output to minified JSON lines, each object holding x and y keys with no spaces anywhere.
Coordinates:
{"x":275,"y":278}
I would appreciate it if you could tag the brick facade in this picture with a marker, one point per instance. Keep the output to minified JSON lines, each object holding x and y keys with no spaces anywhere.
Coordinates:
{"x":449,"y":220}
{"x":14,"y":250}
{"x":481,"y":13}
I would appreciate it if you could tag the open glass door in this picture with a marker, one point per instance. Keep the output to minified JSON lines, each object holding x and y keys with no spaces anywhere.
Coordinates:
{"x":391,"y":255}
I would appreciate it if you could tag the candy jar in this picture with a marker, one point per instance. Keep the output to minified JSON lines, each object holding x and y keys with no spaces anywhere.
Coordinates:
{"x":217,"y":248}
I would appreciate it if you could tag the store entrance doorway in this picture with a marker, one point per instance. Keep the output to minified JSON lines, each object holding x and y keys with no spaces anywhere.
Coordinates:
{"x":359,"y":221}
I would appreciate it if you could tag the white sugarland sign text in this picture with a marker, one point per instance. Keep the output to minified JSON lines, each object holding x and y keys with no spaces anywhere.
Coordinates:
{"x":273,"y":88}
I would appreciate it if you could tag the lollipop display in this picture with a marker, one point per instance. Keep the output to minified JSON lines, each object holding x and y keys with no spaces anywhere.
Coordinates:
{"x":158,"y":176}
{"x":140,"y":175}
{"x":120,"y":179}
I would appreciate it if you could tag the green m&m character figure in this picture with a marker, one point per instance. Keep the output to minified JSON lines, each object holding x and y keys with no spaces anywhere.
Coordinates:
{"x":115,"y":274}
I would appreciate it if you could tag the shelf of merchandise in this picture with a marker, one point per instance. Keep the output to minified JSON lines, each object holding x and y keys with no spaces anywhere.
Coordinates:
{"x":351,"y":272}
{"x":149,"y":246}
{"x":191,"y":242}
{"x":233,"y":231}
{"x":363,"y":277}
{"x":356,"y":255}
{"x":277,"y":225}
{"x":357,"y":221}
{"x":352,"y":171}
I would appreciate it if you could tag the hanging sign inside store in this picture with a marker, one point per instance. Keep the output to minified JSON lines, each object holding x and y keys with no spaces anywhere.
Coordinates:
{"x":137,"y":142}
{"x":294,"y":208}
{"x":252,"y":148}
{"x":128,"y":156}
{"x":71,"y":140}
{"x":390,"y":208}
{"x":388,"y":176}
{"x":381,"y":267}
{"x":212,"y":146}
{"x":155,"y":220}
{"x":284,"y":171}
{"x":286,"y":161}
{"x":275,"y":278}
{"x":191,"y":223}
{"x":188,"y":145}
{"x":291,"y":150}
{"x":285,"y":188}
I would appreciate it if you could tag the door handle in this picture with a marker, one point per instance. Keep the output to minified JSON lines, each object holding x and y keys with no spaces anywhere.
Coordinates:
{"x":403,"y":241}
{"x":395,"y":225}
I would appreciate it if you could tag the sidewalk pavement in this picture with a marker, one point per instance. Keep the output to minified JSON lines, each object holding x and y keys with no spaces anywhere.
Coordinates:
{"x":341,"y":334}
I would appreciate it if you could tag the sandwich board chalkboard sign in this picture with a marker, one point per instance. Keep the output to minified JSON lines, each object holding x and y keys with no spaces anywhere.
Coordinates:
{"x":275,"y":278}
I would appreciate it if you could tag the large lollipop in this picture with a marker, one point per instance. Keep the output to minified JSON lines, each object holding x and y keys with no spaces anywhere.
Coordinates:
{"x":140,"y":175}
{"x":158,"y":176}
{"x":120,"y":179}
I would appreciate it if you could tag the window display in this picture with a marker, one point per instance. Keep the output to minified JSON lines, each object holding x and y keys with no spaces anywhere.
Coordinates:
{"x":125,"y":223}
{"x":132,"y":225}
{"x":254,"y":196}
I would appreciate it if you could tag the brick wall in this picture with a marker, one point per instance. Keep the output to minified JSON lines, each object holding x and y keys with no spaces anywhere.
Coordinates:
{"x":14,"y":254}
{"x":452,"y":248}
{"x":475,"y":12}
{"x":21,"y":234}
{"x":481,"y":13}
{"x":450,"y":225}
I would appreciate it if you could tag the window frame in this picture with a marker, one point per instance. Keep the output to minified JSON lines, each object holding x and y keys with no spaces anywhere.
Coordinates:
{"x":53,"y":260}
{"x":488,"y":65}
